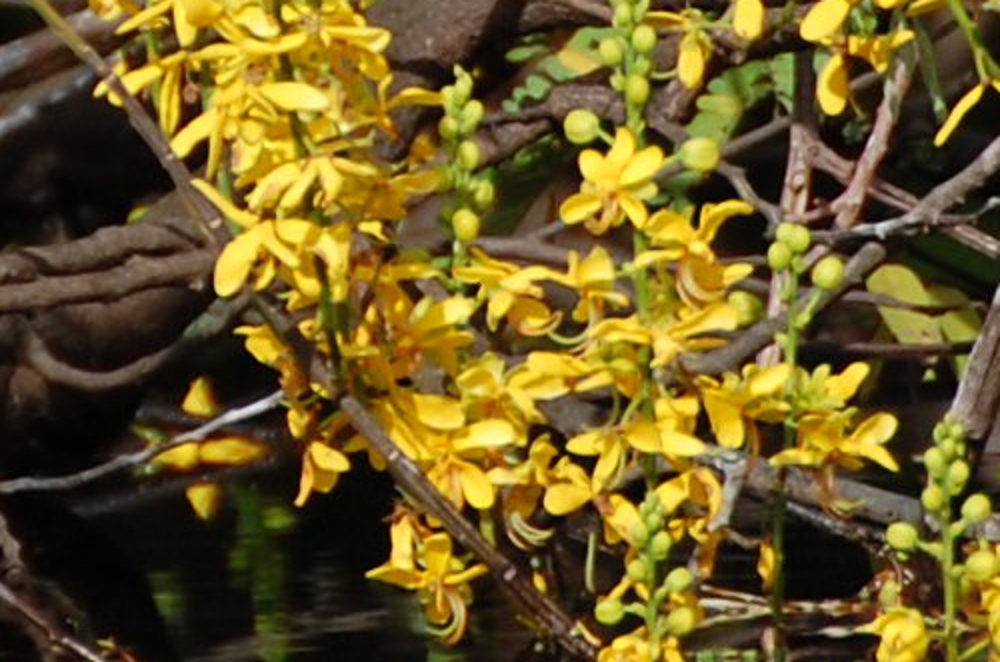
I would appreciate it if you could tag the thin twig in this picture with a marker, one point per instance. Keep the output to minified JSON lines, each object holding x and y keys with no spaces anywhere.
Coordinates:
{"x":130,"y":460}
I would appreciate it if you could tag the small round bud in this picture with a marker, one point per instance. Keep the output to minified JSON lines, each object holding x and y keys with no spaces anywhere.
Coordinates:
{"x":935,"y":462}
{"x":949,"y":448}
{"x":981,"y":565}
{"x":679,"y":580}
{"x":462,"y":86}
{"x":902,"y":536}
{"x":484,"y":194}
{"x":654,"y":521}
{"x":636,"y":570}
{"x":644,"y":39}
{"x":611,"y":51}
{"x":976,"y":509}
{"x":448,"y":127}
{"x":941,"y":431}
{"x":640,"y":534}
{"x":636,"y":90}
{"x":609,"y":612}
{"x":623,"y":16}
{"x":958,"y":476}
{"x":700,"y":154}
{"x":681,"y":621}
{"x":933,"y":498}
{"x":828,"y":273}
{"x":465,"y":224}
{"x":468,"y":154}
{"x":796,"y":236}
{"x":472,"y":114}
{"x":581,"y":126}
{"x":779,"y":256}
{"x":659,"y":546}
{"x":749,"y":309}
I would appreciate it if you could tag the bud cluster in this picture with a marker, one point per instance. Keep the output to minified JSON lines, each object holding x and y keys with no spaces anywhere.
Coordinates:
{"x":475,"y":193}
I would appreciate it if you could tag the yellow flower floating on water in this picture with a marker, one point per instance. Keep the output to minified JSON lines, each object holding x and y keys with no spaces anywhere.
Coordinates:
{"x":615,"y":185}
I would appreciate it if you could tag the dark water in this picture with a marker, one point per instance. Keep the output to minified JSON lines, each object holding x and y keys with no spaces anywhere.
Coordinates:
{"x":263,"y":581}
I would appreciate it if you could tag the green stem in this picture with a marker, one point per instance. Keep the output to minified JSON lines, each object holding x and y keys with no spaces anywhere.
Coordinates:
{"x":985,"y":65}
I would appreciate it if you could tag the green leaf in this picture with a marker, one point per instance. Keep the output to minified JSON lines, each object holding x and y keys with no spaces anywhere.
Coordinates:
{"x":520,"y":54}
{"x":908,"y":326}
{"x":729,"y":96}
{"x":962,"y":324}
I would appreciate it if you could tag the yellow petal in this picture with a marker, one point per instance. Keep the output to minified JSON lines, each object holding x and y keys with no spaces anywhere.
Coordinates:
{"x":963,"y":106}
{"x":403,"y":577}
{"x":748,"y":19}
{"x":845,"y":385}
{"x":438,"y":411}
{"x":621,"y":151}
{"x":824,"y":19}
{"x":765,"y":564}
{"x":579,"y":207}
{"x":231,"y":451}
{"x":200,"y":399}
{"x":196,"y":131}
{"x":295,"y":96}
{"x":564,"y":498}
{"x":205,"y":499}
{"x":181,"y":458}
{"x":591,"y":164}
{"x":491,"y":433}
{"x":726,"y":420}
{"x":681,"y":445}
{"x":831,"y":88}
{"x":691,"y":61}
{"x":643,"y":436}
{"x":642,"y":166}
{"x":476,"y":486}
{"x":235,"y":262}
{"x":328,"y":459}
{"x":232,"y":212}
{"x":769,"y":380}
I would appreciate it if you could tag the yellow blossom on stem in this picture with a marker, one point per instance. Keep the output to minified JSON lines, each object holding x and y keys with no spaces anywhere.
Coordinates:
{"x":442,"y":581}
{"x":735,"y":403}
{"x":748,"y":19}
{"x":832,"y":89}
{"x":593,"y":278}
{"x":823,"y":440}
{"x":615,"y":185}
{"x":904,"y":635}
{"x":695,"y":47}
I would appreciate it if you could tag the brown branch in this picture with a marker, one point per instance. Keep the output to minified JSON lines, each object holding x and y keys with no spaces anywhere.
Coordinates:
{"x":53,"y":633}
{"x":848,"y":206}
{"x":549,"y":616}
{"x":976,"y":399}
{"x":138,"y":273}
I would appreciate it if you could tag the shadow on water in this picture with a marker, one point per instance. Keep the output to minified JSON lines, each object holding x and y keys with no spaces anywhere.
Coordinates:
{"x":262,"y":581}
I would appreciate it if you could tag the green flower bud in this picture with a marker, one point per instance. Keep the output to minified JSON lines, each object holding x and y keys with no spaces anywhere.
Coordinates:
{"x":468,"y":154}
{"x":902,"y":536}
{"x":828,"y":273}
{"x":581,"y":126}
{"x":981,"y":565}
{"x":462,"y":86}
{"x":484,"y":194}
{"x":654,"y":521}
{"x":611,"y":51}
{"x":609,"y":612}
{"x":749,"y":308}
{"x":795,"y":235}
{"x":659,"y":546}
{"x":681,"y":621}
{"x":679,"y":580}
{"x":941,"y":430}
{"x":622,"y":17}
{"x":958,"y":476}
{"x":700,"y":154}
{"x":935,"y":462}
{"x":465,"y":225}
{"x":779,"y":256}
{"x":640,"y":534}
{"x":644,"y":39}
{"x":933,"y":498}
{"x":636,"y":570}
{"x":976,"y":509}
{"x":472,"y":114}
{"x":448,"y":127}
{"x":636,"y":90}
{"x":949,"y":448}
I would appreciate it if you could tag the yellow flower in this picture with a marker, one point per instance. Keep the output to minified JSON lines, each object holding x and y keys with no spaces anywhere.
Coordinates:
{"x":593,"y":278}
{"x":904,"y":636}
{"x":701,"y":279}
{"x":695,"y":47}
{"x":964,"y":105}
{"x":832,"y":90}
{"x":321,"y":467}
{"x":634,"y":647}
{"x":614,"y":185}
{"x":681,"y":333}
{"x":748,"y":19}
{"x":734,"y":404}
{"x":510,"y":291}
{"x":442,"y":581}
{"x":823,"y":440}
